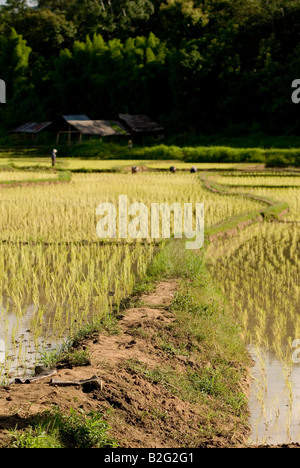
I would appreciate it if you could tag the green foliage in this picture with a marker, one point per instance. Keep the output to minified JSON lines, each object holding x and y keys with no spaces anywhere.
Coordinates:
{"x":36,"y":437}
{"x":14,"y":58}
{"x":120,"y":75}
{"x":46,"y":32}
{"x":80,"y":431}
{"x":273,"y":157}
{"x":197,"y":66}
{"x":56,"y":430}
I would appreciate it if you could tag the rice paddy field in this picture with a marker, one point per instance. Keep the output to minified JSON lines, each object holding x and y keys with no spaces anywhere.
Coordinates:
{"x":259,"y":273}
{"x":102,"y":165}
{"x":23,"y":176}
{"x":56,"y":276}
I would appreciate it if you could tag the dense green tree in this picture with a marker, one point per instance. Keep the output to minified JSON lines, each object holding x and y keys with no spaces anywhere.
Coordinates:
{"x":107,"y":17}
{"x":113,"y":76}
{"x":46,"y":32}
{"x":200,"y":64}
{"x":14,"y":69}
{"x":14,"y":57}
{"x":182,"y":19}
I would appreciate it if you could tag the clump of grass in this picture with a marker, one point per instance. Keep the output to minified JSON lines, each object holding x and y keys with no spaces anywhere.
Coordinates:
{"x":66,"y":356}
{"x":57,"y":430}
{"x":171,"y":350}
{"x":35,"y":437}
{"x":215,"y":387}
{"x":76,"y":358}
{"x":108,"y":323}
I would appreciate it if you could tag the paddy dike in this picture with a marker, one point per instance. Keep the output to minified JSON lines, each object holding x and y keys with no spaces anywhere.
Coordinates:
{"x":62,"y":178}
{"x":143,"y":409}
{"x":274,"y":211}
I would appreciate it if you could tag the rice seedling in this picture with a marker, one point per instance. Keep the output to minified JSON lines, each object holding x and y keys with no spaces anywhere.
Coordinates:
{"x":259,"y":273}
{"x":23,"y":176}
{"x":58,"y":213}
{"x":54,"y":275}
{"x":67,"y":294}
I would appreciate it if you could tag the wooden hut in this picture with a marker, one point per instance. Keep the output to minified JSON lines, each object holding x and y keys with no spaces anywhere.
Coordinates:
{"x":31,"y":129}
{"x":65,"y":126}
{"x":82,"y":125}
{"x":141,"y":125}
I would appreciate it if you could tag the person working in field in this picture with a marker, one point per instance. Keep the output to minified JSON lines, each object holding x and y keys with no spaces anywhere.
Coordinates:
{"x":54,"y":153}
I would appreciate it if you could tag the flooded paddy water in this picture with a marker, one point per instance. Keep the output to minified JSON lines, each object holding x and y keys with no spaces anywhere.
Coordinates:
{"x":48,"y":293}
{"x":20,"y":349}
{"x":260,"y":276}
{"x":274,"y":400}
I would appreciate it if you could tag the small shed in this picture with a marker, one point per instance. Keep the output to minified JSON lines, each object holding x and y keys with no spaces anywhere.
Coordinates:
{"x":31,"y":128}
{"x":141,"y":125}
{"x":65,"y":125}
{"x":82,"y":125}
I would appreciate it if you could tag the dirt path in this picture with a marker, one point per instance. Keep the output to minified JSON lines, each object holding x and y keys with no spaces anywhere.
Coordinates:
{"x":142,"y":412}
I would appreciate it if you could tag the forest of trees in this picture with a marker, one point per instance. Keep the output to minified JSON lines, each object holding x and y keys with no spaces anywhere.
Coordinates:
{"x":195,"y":65}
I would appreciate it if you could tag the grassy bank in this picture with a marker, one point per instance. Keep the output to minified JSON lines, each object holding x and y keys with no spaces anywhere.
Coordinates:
{"x":200,"y":154}
{"x":213,"y":153}
{"x":273,"y":210}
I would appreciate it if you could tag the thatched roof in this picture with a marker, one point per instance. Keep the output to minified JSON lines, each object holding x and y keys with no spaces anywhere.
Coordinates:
{"x":99,"y":127}
{"x":141,"y":124}
{"x":75,"y":118}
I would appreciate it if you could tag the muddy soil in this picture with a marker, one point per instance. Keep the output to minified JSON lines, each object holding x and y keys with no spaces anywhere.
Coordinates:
{"x":141,"y":412}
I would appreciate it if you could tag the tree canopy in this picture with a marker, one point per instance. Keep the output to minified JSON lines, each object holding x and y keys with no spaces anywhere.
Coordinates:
{"x":194,"y":64}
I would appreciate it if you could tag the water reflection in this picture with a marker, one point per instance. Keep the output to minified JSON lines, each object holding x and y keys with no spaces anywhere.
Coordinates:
{"x":274,"y":400}
{"x":20,"y":349}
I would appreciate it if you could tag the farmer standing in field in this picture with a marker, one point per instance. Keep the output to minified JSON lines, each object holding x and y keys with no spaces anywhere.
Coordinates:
{"x":54,"y":153}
